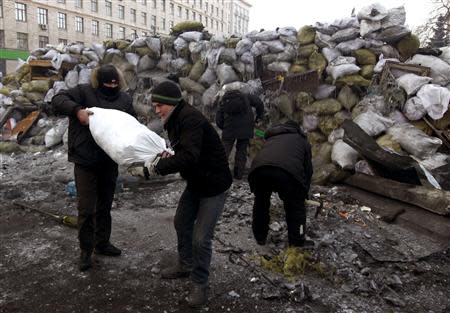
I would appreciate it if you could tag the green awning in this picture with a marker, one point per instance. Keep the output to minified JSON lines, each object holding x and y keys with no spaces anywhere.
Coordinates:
{"x":10,"y":54}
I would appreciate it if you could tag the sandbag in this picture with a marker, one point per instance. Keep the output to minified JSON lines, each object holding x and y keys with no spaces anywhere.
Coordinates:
{"x":132,"y":58}
{"x":145,"y":63}
{"x":197,"y":70}
{"x":84,"y":76}
{"x":310,"y":122}
{"x":368,"y":27}
{"x":345,"y":34}
{"x":342,"y":70}
{"x":243,"y":46}
{"x":208,"y":77}
{"x":275,"y":46}
{"x":348,"y":98}
{"x":344,"y":155}
{"x":71,"y":79}
{"x":55,"y":134}
{"x":335,"y":135}
{"x":226,"y":74}
{"x":440,"y":70}
{"x":324,"y":91}
{"x":373,"y":12}
{"x":413,"y":109}
{"x":395,"y":16}
{"x":306,"y":35}
{"x":209,"y":95}
{"x":324,"y":107}
{"x":347,"y":47}
{"x":123,"y":138}
{"x":434,"y":99}
{"x":279,"y":67}
{"x":192,"y":36}
{"x":323,"y":40}
{"x":191,"y":86}
{"x":373,"y":123}
{"x":330,"y":54}
{"x":411,"y":83}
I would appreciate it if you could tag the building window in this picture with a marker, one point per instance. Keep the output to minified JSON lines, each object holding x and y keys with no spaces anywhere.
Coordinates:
{"x":22,"y":41}
{"x":206,"y":7}
{"x":144,"y":2}
{"x":94,"y":28}
{"x":133,"y":15}
{"x":163,"y":24}
{"x":78,"y":3}
{"x":79,"y":24}
{"x":212,"y":9}
{"x":217,"y":24}
{"x":217,"y":11}
{"x":21,"y":12}
{"x":108,"y":7}
{"x":206,"y":21}
{"x":121,"y":12}
{"x":154,"y":4}
{"x":144,"y":18}
{"x":200,"y":18}
{"x":2,"y":38}
{"x":180,"y":11}
{"x":194,"y":16}
{"x":121,"y":33}
{"x":163,"y":5}
{"x":133,"y":34}
{"x":186,"y":14}
{"x":63,"y":41}
{"x":109,"y":30}
{"x":62,"y":21}
{"x":43,"y":41}
{"x":171,"y":24}
{"x":1,"y":8}
{"x":172,"y":9}
{"x":42,"y":16}
{"x":201,"y":3}
{"x":94,"y":5}
{"x":154,"y":20}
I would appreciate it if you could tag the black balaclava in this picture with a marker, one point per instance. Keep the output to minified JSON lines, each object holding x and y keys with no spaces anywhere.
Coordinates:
{"x":108,"y":74}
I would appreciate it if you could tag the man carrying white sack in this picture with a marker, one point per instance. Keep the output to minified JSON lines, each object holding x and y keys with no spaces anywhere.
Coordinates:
{"x":95,"y":172}
{"x":200,"y":159}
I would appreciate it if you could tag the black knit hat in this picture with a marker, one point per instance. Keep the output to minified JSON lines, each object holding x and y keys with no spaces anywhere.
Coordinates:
{"x":168,"y":93}
{"x":107,"y":74}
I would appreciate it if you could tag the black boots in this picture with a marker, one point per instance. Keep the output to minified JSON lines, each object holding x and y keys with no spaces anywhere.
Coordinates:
{"x":85,"y":261}
{"x":197,"y":296}
{"x":176,"y":271}
{"x":108,"y":249}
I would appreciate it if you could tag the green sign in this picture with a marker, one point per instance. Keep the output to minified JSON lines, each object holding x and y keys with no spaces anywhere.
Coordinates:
{"x":259,"y":133}
{"x":10,"y":54}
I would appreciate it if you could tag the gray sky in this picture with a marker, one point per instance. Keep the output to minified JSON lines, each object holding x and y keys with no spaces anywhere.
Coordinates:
{"x":269,"y":14}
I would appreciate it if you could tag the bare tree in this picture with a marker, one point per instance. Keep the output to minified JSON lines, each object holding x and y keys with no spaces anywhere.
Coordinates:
{"x":435,"y":31}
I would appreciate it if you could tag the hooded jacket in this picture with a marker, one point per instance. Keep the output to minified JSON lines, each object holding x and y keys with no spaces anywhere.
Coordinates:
{"x":286,"y":147}
{"x":83,"y":149}
{"x":199,"y":155}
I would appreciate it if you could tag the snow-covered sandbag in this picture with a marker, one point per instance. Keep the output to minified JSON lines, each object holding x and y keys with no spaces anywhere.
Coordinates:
{"x":440,"y":70}
{"x":435,"y":100}
{"x":368,"y":27}
{"x":414,"y":141}
{"x":344,"y":155}
{"x":209,"y":95}
{"x":55,"y":134}
{"x":345,"y":34}
{"x":335,"y":135}
{"x":226,"y":74}
{"x":71,"y":79}
{"x":132,"y":58}
{"x":310,"y":122}
{"x":373,"y":12}
{"x":275,"y":46}
{"x":192,"y":36}
{"x":208,"y":77}
{"x":259,"y":48}
{"x":413,"y":109}
{"x":331,"y":54}
{"x":342,"y":70}
{"x":267,"y":35}
{"x":123,"y":138}
{"x":347,"y":47}
{"x":145,"y":64}
{"x":84,"y":76}
{"x":373,"y":123}
{"x":411,"y":83}
{"x":279,"y":67}
{"x":243,"y":45}
{"x":287,"y":31}
{"x":324,"y":91}
{"x":395,"y":16}
{"x":435,"y":161}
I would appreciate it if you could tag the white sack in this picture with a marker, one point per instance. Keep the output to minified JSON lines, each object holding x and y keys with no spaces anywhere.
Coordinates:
{"x":192,"y":36}
{"x":344,"y":155}
{"x":71,"y":79}
{"x":310,"y":122}
{"x":373,"y":123}
{"x":395,"y":16}
{"x":413,"y":109}
{"x":373,"y":12}
{"x":123,"y":138}
{"x":55,"y":135}
{"x":411,"y":83}
{"x":243,"y":46}
{"x":226,"y":74}
{"x":440,"y":70}
{"x":132,"y":58}
{"x":435,"y":100}
{"x":331,"y":54}
{"x":342,"y":70}
{"x":84,"y":76}
{"x":279,"y":67}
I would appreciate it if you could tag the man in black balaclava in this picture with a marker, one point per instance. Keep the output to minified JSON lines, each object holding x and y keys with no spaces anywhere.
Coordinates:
{"x":95,"y":172}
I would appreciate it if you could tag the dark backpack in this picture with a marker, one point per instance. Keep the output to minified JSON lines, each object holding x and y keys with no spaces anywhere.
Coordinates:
{"x":235,"y":102}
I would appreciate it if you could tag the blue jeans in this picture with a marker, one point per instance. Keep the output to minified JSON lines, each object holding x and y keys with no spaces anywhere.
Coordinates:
{"x":195,"y":221}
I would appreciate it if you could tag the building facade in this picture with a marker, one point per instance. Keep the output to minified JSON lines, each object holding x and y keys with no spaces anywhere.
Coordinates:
{"x":29,"y":24}
{"x":239,"y":17}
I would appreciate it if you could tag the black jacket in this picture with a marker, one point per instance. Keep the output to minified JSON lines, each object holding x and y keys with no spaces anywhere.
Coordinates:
{"x":286,"y":147}
{"x":83,"y":149}
{"x":199,"y":155}
{"x":235,"y":114}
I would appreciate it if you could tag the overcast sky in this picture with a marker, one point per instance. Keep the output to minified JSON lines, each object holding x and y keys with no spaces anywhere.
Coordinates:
{"x":269,"y":14}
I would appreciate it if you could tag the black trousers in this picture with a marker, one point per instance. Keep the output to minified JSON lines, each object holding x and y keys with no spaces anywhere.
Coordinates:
{"x":267,"y":179}
{"x":240,"y":157}
{"x":95,"y":192}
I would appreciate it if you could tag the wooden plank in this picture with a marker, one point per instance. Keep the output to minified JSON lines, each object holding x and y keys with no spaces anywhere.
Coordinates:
{"x":433,"y":200}
{"x":40,"y":63}
{"x":22,"y":128}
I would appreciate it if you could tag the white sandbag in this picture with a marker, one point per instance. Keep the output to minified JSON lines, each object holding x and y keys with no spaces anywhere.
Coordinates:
{"x":342,"y":70}
{"x":50,"y":54}
{"x":154,"y":43}
{"x":324,"y":91}
{"x":243,"y":46}
{"x":196,"y":47}
{"x":413,"y":109}
{"x":177,"y":64}
{"x":287,"y":31}
{"x":395,"y":16}
{"x":60,"y":58}
{"x":55,"y":134}
{"x":411,"y":83}
{"x":146,"y":63}
{"x":84,"y":76}
{"x":139,"y":43}
{"x":397,"y":117}
{"x":132,"y":58}
{"x":345,"y":34}
{"x":279,"y":67}
{"x":76,"y":49}
{"x":58,"y":86}
{"x":373,"y":12}
{"x":48,"y":96}
{"x":99,"y":49}
{"x":259,"y":48}
{"x":347,"y":47}
{"x":267,"y":35}
{"x":435,"y":161}
{"x":440,"y":70}
{"x":414,"y":141}
{"x":71,"y":79}
{"x":226,"y":74}
{"x":373,"y":123}
{"x":445,"y":55}
{"x":348,"y":22}
{"x":213,"y":55}
{"x":435,"y":100}
{"x":164,"y":62}
{"x":240,"y":68}
{"x":288,"y":54}
{"x":217,"y":41}
{"x":275,"y":46}
{"x":380,"y":64}
{"x":209,"y":95}
{"x":227,"y":55}
{"x":310,"y":122}
{"x":344,"y":155}
{"x":325,"y":28}
{"x":208,"y":77}
{"x":368,"y":27}
{"x":323,"y":40}
{"x":192,"y":36}
{"x":247,"y":58}
{"x":179,"y":44}
{"x":91,"y":55}
{"x":335,"y":135}
{"x":341,"y":60}
{"x":362,"y":166}
{"x":123,"y":138}
{"x":331,"y":54}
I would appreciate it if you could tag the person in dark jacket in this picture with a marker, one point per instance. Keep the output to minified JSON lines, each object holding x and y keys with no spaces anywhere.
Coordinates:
{"x":283,"y":166}
{"x":236,"y":120}
{"x":95,"y":172}
{"x":200,"y":159}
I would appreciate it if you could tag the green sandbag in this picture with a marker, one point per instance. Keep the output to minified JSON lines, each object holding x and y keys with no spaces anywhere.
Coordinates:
{"x":353,"y":80}
{"x":365,"y":57}
{"x":109,"y":44}
{"x":9,"y":78}
{"x":322,"y":175}
{"x":8,"y":147}
{"x":328,"y":123}
{"x":386,"y":141}
{"x":41,"y":86}
{"x":358,"y":109}
{"x":321,"y":154}
{"x":324,"y":107}
{"x":306,"y":35}
{"x":302,"y":61}
{"x":186,"y":26}
{"x":185,"y":70}
{"x":4,"y":91}
{"x":191,"y":86}
{"x":367,"y":71}
{"x":122,"y":44}
{"x":197,"y":70}
{"x":317,"y":62}
{"x":347,"y":97}
{"x":22,"y":100}
{"x":306,"y":51}
{"x":184,"y":53}
{"x":315,"y":138}
{"x":284,"y":105}
{"x":143,"y":51}
{"x":34,"y":96}
{"x":302,"y":100}
{"x":22,"y":73}
{"x":298,"y":68}
{"x":408,"y":46}
{"x":232,"y":42}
